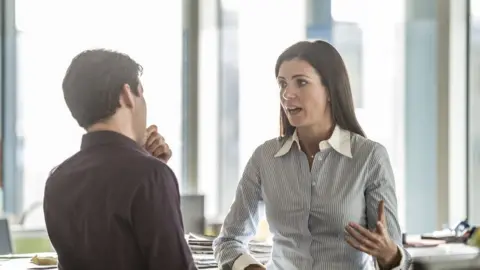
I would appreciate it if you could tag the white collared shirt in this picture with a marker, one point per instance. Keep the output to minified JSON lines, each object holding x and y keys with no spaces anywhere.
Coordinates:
{"x":308,"y":208}
{"x":340,"y":141}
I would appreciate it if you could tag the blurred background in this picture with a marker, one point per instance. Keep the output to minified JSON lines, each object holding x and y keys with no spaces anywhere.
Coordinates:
{"x":414,"y":67}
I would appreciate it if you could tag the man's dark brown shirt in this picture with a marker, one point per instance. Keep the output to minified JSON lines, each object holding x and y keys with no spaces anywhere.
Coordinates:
{"x":114,"y":206}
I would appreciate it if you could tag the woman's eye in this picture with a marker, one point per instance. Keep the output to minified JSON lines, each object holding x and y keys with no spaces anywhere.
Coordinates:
{"x":301,"y":82}
{"x":282,"y":85}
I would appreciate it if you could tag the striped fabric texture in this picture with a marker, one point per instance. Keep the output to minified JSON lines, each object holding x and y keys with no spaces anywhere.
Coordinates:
{"x":308,"y":209}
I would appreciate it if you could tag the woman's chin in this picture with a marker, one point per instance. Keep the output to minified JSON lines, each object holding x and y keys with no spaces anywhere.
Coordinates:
{"x":297,"y":120}
{"x":296,"y":124}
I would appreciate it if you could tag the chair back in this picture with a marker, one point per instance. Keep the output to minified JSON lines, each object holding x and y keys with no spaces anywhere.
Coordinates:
{"x":6,"y":246}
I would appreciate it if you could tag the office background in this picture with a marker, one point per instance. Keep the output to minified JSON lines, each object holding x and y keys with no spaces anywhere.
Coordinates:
{"x":209,"y":79}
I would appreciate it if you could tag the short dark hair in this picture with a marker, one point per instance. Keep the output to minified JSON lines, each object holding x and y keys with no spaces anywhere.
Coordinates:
{"x":93,"y":83}
{"x":328,"y":63}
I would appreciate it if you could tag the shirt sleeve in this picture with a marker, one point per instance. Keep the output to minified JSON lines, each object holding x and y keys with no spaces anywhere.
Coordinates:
{"x":381,"y":186}
{"x":157,"y":222}
{"x":241,"y":222}
{"x":405,"y":263}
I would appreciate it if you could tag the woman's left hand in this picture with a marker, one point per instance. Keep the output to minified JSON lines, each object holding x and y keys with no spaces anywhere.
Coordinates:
{"x":376,"y":243}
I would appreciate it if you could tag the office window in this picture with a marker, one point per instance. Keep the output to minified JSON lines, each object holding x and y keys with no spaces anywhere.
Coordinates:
{"x":390,"y":50}
{"x":473,"y":112}
{"x":238,"y":91}
{"x":50,"y":34}
{"x":265,"y":29}
{"x":252,"y":35}
{"x":371,"y":42}
{"x":348,"y":11}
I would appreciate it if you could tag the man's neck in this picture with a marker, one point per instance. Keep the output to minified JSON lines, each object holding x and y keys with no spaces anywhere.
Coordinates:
{"x":110,"y":127}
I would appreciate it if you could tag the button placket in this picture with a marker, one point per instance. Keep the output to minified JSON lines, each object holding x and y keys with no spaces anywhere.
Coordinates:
{"x":319,"y":163}
{"x":316,"y":166}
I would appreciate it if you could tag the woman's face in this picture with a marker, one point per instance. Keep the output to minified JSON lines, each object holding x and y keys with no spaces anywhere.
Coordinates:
{"x":303,"y":96}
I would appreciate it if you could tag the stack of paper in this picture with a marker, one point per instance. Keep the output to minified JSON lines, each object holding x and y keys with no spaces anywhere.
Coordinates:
{"x":201,"y":247}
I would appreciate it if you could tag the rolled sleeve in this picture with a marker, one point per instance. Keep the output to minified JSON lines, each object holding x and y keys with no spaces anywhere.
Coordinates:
{"x":244,"y":261}
{"x":405,"y":262}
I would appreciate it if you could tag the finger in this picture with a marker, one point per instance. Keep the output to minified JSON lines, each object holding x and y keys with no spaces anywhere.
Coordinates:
{"x":360,"y":238}
{"x":382,"y":229}
{"x":351,"y":241}
{"x":165,"y":157}
{"x":381,"y":212}
{"x":364,"y":232}
{"x":155,"y":139}
{"x":153,"y":145}
{"x":149,"y":132}
{"x":161,"y":149}
{"x":166,"y":152}
{"x":151,"y":129}
{"x":157,"y":146}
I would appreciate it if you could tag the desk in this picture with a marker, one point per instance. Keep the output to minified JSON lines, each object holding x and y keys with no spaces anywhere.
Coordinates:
{"x":446,"y":251}
{"x":20,"y":264}
{"x":23,"y":264}
{"x":449,"y":251}
{"x":22,"y":261}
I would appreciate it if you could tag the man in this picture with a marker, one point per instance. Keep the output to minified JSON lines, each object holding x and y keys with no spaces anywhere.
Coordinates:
{"x":115,"y":204}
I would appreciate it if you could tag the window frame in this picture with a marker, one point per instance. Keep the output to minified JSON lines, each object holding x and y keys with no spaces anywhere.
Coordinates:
{"x":12,"y":200}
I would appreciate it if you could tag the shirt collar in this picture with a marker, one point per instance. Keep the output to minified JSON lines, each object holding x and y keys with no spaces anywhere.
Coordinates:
{"x":339,"y":141}
{"x":97,"y":138}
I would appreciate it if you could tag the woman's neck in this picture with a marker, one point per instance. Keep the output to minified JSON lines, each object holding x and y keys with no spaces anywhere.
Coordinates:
{"x":310,"y":137}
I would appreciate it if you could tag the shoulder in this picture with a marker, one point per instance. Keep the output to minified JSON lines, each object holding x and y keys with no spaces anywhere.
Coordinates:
{"x":153,"y":164}
{"x":158,"y":188}
{"x":149,"y":178}
{"x":153,"y":171}
{"x":268,"y":149}
{"x":367,"y":149}
{"x":375,"y":157}
{"x":134,"y":167}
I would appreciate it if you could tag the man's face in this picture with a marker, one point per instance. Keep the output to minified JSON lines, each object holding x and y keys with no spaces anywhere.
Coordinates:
{"x":140,"y":116}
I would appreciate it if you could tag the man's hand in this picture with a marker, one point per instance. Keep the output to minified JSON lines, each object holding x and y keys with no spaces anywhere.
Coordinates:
{"x":155,"y":144}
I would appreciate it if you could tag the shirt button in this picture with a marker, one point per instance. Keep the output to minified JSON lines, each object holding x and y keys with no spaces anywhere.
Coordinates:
{"x":314,"y":184}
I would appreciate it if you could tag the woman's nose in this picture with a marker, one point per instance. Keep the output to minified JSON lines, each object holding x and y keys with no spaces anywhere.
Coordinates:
{"x":288,"y":94}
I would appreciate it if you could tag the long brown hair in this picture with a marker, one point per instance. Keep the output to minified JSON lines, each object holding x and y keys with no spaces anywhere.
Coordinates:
{"x":328,"y":63}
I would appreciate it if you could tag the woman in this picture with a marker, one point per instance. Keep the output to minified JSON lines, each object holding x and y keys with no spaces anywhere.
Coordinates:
{"x":329,"y":192}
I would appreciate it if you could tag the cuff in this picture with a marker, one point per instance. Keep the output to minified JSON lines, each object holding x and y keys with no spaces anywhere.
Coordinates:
{"x":403,"y":262}
{"x":243,"y":261}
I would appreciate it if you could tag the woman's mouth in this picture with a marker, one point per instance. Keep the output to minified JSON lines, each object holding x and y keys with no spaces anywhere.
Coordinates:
{"x":294,"y":110}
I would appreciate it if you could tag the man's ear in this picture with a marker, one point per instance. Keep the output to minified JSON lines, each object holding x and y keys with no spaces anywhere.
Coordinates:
{"x":127,"y":97}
